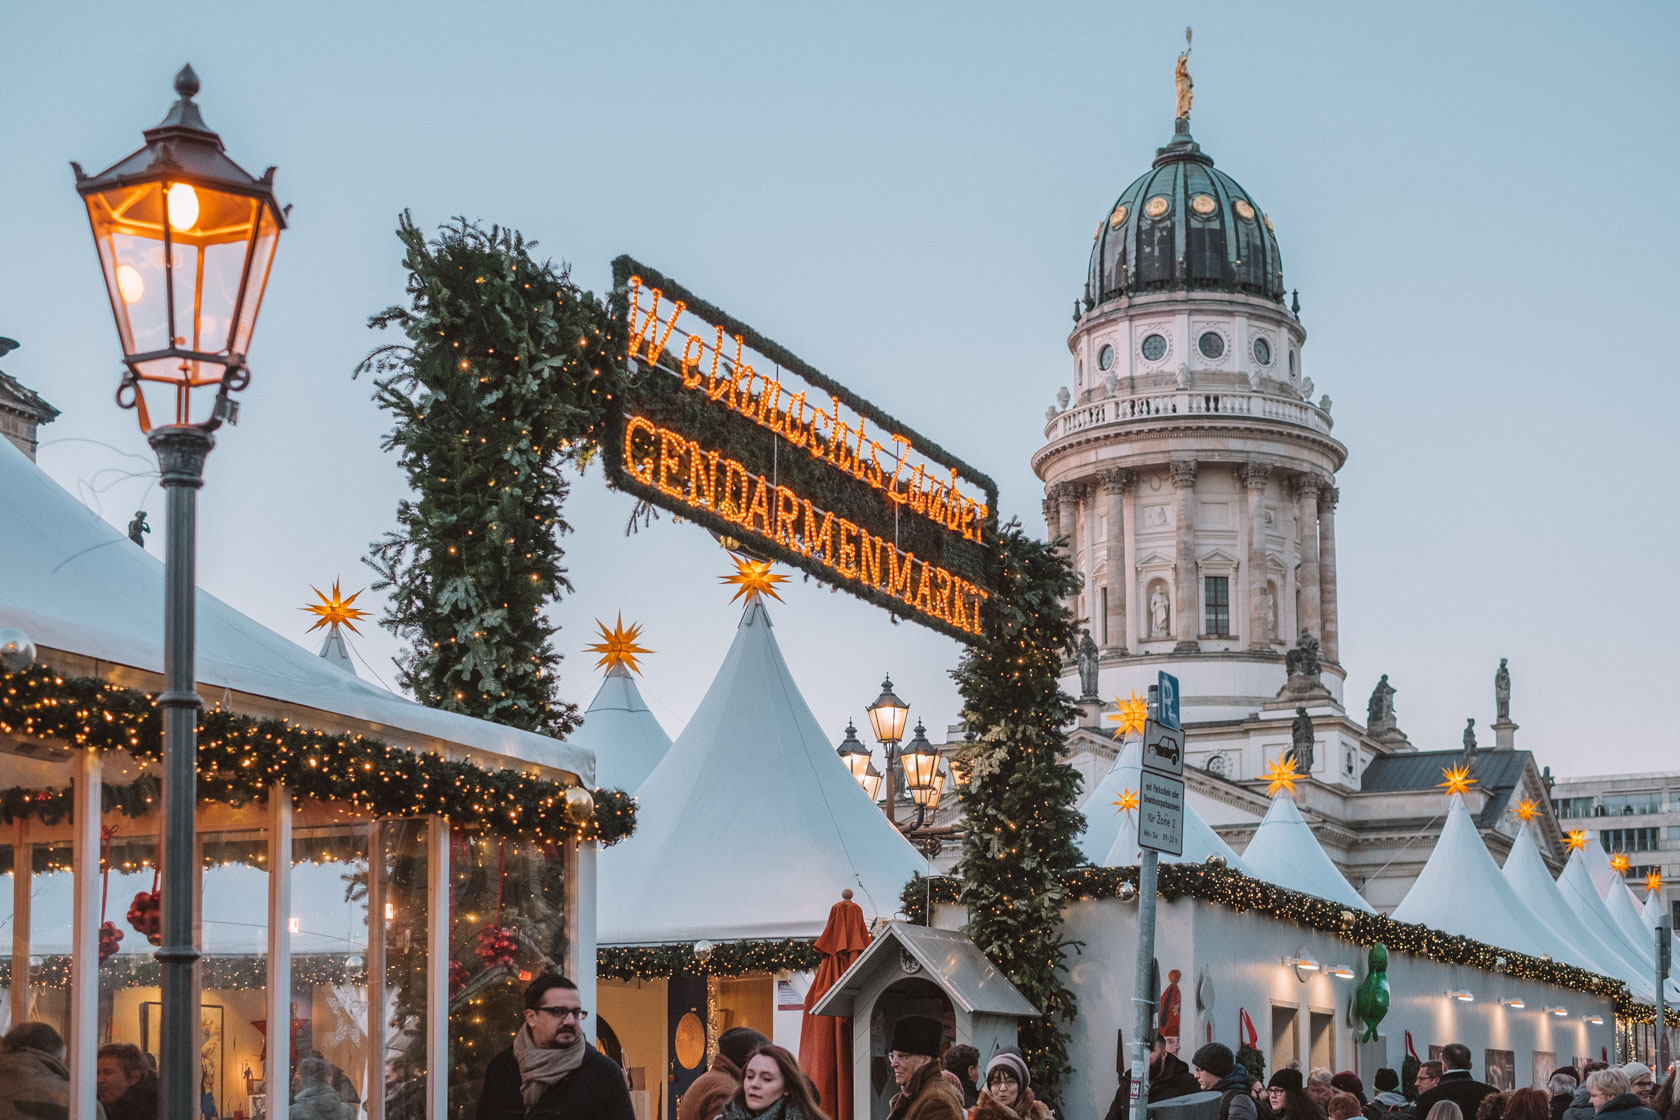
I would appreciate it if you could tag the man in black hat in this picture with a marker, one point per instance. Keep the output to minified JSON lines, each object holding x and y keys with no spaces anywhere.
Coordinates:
{"x":1216,"y":1071}
{"x":924,"y":1093}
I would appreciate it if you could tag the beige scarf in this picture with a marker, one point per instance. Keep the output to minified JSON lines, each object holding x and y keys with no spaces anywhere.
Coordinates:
{"x":543,"y":1066}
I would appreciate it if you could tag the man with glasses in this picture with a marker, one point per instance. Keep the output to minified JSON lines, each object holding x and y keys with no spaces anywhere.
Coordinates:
{"x":1428,"y":1076}
{"x":551,"y":1072}
{"x":924,"y":1093}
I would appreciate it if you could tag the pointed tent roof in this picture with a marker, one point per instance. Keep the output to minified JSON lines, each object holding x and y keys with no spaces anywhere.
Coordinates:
{"x":1528,"y":875}
{"x":1110,"y":837}
{"x":74,"y":583}
{"x":1285,"y":851}
{"x":627,"y":740}
{"x":1625,"y":913}
{"x":1582,"y":899}
{"x":335,"y":651}
{"x":751,"y":778}
{"x":1460,"y":890}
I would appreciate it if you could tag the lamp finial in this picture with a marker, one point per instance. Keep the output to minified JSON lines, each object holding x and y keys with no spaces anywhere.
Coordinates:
{"x":186,"y":82}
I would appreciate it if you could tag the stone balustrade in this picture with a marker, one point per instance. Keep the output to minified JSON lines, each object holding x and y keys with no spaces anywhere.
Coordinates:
{"x":1187,"y":402}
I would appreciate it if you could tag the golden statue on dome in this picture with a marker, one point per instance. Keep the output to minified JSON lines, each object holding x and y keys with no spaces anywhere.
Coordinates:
{"x":1181,"y":79}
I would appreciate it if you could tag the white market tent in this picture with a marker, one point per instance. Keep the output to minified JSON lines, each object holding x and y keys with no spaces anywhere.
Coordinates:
{"x":1285,"y":851}
{"x":1582,"y":897}
{"x":627,"y":740}
{"x":72,"y":582}
{"x":751,"y":826}
{"x":1460,"y":890}
{"x":1110,"y":838}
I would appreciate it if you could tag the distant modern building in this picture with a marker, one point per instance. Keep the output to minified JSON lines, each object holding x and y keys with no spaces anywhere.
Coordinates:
{"x":22,"y":411}
{"x":1637,"y":815}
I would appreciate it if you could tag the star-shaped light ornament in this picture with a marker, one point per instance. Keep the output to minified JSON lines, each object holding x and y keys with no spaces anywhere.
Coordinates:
{"x":1127,"y":801}
{"x":335,"y":610}
{"x":1458,"y":780}
{"x":1576,"y":841}
{"x":1653,"y":881}
{"x":1619,"y":863}
{"x":618,"y":646}
{"x":1282,"y":774}
{"x":753,"y":578}
{"x":1129,"y":716}
{"x":1526,"y":809}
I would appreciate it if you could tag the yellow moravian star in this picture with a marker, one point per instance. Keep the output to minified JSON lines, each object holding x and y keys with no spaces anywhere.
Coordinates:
{"x":1127,"y":801}
{"x":1129,"y":715}
{"x":618,"y":645}
{"x":335,"y":610}
{"x":1458,"y":780}
{"x":1653,"y":881}
{"x":1526,"y":809}
{"x":1619,"y":863}
{"x":1576,"y":840}
{"x":1282,"y":774}
{"x":753,"y":577}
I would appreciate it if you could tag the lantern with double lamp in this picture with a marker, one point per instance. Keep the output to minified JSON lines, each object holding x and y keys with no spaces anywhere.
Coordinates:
{"x":856,"y":757}
{"x":886,"y":718}
{"x":921,"y":774}
{"x":185,"y":239}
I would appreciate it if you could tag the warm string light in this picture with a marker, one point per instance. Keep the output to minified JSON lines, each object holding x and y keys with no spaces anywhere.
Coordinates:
{"x":727,"y":958}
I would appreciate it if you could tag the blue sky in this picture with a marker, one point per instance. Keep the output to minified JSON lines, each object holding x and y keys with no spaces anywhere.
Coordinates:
{"x":1476,"y":202}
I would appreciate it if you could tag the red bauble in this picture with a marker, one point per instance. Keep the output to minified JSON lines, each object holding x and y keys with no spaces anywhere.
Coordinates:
{"x":458,"y":976}
{"x":110,"y":937}
{"x":496,"y":946}
{"x":145,"y":914}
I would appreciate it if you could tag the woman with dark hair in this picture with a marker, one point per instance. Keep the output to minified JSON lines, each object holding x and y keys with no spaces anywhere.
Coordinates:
{"x":1492,"y":1107}
{"x":773,"y":1087}
{"x":1286,"y":1097}
{"x":1528,"y":1104}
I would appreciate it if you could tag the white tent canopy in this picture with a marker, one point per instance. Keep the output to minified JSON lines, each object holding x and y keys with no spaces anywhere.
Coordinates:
{"x":1285,"y":851}
{"x":751,"y":826}
{"x":627,"y":740}
{"x":1582,"y":898}
{"x":1460,"y":890}
{"x":1110,"y":838}
{"x":72,"y":582}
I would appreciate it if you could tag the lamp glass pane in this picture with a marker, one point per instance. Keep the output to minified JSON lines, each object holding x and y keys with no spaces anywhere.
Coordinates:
{"x":131,"y":256}
{"x":888,"y":721}
{"x":256,"y":283}
{"x":920,"y":768}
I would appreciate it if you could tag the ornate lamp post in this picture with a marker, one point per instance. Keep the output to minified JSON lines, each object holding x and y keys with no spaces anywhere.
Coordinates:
{"x":856,"y":757}
{"x":886,"y":717}
{"x":185,"y":239}
{"x":921,"y":774}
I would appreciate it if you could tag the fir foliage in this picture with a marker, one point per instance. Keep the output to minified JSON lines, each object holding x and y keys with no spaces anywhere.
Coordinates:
{"x":1018,"y":793}
{"x":505,"y":379}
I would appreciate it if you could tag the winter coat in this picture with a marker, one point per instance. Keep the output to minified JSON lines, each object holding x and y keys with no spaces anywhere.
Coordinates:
{"x":1027,"y":1107}
{"x":593,"y":1091}
{"x":1236,"y":1096}
{"x":1173,"y":1080}
{"x":320,"y":1102}
{"x":783,"y":1109}
{"x":713,"y":1089}
{"x":929,"y":1096}
{"x":1458,"y":1087}
{"x":1580,"y":1106}
{"x":33,"y":1086}
{"x":139,"y":1103}
{"x":1626,"y":1107}
{"x":1561,"y":1103}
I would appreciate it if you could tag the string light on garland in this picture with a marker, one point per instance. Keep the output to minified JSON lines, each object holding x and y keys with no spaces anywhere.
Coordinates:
{"x":723,"y":958}
{"x":335,"y":610}
{"x":618,"y":646}
{"x":1129,"y":716}
{"x":1282,"y":774}
{"x":753,"y":578}
{"x":1458,"y":779}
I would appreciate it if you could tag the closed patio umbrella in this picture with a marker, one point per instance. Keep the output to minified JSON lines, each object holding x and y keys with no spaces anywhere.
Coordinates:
{"x":825,"y":1041}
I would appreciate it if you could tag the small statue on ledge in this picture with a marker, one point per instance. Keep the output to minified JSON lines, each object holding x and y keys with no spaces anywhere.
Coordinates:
{"x":1381,"y":708}
{"x":137,"y":529}
{"x":1301,"y":740}
{"x":1502,"y":691}
{"x":1087,"y":666}
{"x":1302,"y":661}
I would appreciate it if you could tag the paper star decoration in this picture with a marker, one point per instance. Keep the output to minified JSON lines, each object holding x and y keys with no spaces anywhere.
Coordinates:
{"x":1458,"y":780}
{"x":1526,"y":809}
{"x":1127,"y":801}
{"x":1129,"y":715}
{"x":1619,"y":863}
{"x":1576,"y":840}
{"x":1653,"y":881}
{"x":752,"y":578}
{"x":1282,"y":774}
{"x":334,"y":610}
{"x":618,"y":645}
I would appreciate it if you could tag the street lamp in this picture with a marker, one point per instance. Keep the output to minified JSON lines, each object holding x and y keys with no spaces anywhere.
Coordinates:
{"x":856,"y":757}
{"x":921,"y":773}
{"x":185,"y":239}
{"x":886,"y":717}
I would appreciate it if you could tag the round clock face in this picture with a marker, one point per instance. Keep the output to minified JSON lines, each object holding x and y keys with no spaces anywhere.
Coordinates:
{"x":1211,"y":345}
{"x":1157,"y":206}
{"x":1154,"y":348}
{"x":1243,"y":209}
{"x":1105,"y":357}
{"x":1203,"y":204}
{"x":1262,"y":351}
{"x":1118,"y":218}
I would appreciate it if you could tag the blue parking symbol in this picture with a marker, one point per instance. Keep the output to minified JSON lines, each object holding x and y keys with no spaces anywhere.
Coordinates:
{"x":1167,"y":700}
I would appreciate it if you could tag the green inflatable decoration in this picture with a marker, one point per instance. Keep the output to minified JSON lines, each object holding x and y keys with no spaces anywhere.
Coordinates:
{"x":1372,"y":1000}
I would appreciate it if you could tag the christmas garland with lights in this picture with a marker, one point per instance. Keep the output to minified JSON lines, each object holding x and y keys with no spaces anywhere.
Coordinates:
{"x":221,"y":972}
{"x":1226,"y":887}
{"x":239,"y":757}
{"x":1018,"y":793}
{"x":723,"y":958}
{"x":505,"y":380}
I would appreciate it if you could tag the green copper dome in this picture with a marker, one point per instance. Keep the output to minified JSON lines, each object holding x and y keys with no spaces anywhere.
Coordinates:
{"x":1184,"y":226}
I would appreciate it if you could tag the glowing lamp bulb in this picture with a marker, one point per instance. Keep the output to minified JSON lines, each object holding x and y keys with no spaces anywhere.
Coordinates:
{"x":130,"y":284}
{"x":183,"y":207}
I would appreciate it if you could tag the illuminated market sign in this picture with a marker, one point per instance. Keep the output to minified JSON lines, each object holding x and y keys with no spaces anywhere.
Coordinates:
{"x":725,"y":427}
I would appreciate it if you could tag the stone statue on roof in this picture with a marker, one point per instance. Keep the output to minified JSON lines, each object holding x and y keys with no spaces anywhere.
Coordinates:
{"x":137,"y":528}
{"x":1301,"y":740}
{"x":1303,"y":659}
{"x":1087,"y":666}
{"x":1502,"y":690}
{"x":1469,"y":740}
{"x":1381,"y":708}
{"x":1181,"y":80}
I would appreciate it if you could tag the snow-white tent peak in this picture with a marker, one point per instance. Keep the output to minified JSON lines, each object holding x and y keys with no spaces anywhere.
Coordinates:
{"x":627,"y":739}
{"x":72,"y":582}
{"x":751,"y":825}
{"x":335,"y":651}
{"x":1285,"y":851}
{"x":1460,"y":890}
{"x":1110,"y":838}
{"x":1581,"y":896}
{"x":1526,"y":871}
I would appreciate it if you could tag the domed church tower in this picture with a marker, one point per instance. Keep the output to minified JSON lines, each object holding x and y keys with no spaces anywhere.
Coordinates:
{"x":1189,"y":471}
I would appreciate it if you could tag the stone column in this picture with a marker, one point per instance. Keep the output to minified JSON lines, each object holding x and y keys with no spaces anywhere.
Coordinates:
{"x":1327,"y":572}
{"x":1067,"y":517}
{"x":1253,"y":477}
{"x":1115,"y":484}
{"x":1135,"y":621}
{"x":1306,"y":495}
{"x":1186,"y":610}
